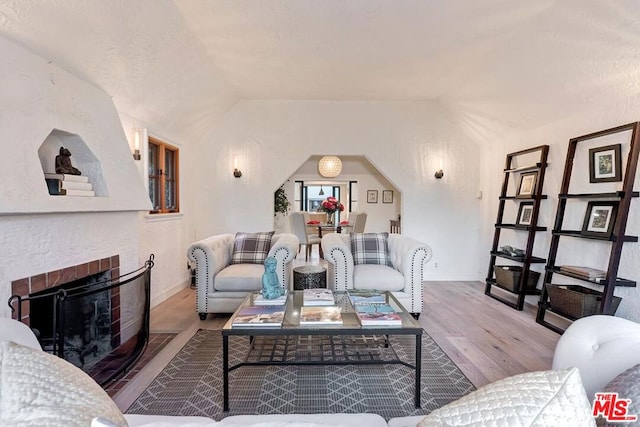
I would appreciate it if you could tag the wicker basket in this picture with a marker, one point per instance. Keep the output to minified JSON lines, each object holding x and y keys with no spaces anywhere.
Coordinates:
{"x":508,"y":277}
{"x":577,"y":301}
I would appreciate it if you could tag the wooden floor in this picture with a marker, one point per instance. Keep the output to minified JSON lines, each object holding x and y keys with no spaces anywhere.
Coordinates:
{"x":485,"y":338}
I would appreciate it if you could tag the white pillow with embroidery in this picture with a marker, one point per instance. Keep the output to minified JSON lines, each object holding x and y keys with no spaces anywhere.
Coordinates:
{"x":39,"y":389}
{"x":534,"y":399}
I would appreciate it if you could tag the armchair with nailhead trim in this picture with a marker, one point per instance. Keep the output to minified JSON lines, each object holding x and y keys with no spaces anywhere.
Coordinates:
{"x":220,"y":285}
{"x":404,"y":279}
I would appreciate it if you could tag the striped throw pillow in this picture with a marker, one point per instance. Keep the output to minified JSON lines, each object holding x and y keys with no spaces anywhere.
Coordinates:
{"x":251,"y":248}
{"x":370,"y":248}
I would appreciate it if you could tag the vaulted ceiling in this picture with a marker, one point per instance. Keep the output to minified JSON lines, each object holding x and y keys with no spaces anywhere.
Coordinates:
{"x":183,"y":63}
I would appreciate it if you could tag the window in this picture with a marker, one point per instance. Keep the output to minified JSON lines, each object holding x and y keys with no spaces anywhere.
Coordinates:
{"x":163,"y":177}
{"x":309,"y":197}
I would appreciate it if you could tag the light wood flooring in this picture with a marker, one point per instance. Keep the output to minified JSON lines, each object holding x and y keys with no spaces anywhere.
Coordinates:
{"x":485,"y":338}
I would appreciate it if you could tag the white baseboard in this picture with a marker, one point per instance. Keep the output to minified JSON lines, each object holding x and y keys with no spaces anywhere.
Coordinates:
{"x":168,"y":293}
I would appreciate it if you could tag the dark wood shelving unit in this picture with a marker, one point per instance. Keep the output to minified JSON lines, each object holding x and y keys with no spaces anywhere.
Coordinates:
{"x":578,"y":234}
{"x":510,"y":171}
{"x":619,"y":280}
{"x":533,"y":259}
{"x":617,"y":238}
{"x":521,"y":227}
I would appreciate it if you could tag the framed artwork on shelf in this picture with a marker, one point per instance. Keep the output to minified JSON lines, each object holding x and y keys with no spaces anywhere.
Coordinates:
{"x":605,"y":164}
{"x":387,"y":196}
{"x":525,"y":212}
{"x":527,"y":185}
{"x":599,"y":219}
{"x":372,"y":196}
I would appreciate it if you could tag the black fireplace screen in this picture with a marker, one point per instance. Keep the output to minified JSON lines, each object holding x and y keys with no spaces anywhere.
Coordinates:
{"x":99,"y":323}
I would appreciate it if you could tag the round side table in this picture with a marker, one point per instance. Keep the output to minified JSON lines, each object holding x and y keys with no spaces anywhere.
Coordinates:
{"x":309,"y":277}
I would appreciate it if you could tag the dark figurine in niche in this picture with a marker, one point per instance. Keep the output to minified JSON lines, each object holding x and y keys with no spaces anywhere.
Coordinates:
{"x":271,"y":288}
{"x":63,"y":163}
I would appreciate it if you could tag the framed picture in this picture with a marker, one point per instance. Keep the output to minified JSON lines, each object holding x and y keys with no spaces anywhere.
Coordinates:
{"x":599,"y":219}
{"x":525,"y":212}
{"x":387,"y":196}
{"x":605,"y":164}
{"x":372,"y":196}
{"x":527,"y":186}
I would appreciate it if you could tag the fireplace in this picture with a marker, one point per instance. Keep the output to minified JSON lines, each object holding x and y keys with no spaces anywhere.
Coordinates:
{"x":91,"y":325}
{"x":77,"y":314}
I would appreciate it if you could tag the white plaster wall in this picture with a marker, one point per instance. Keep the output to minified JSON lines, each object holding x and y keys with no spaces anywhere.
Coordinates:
{"x":34,"y":244}
{"x":575,"y":251}
{"x":378,"y":214}
{"x":40,"y":232}
{"x":406,"y":141}
{"x":37,"y":97}
{"x":167,"y":236}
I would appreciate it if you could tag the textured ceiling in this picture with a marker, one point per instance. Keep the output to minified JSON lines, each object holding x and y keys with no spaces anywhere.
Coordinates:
{"x":183,"y":62}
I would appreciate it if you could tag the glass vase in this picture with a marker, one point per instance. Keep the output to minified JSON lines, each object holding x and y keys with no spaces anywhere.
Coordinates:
{"x":330,"y":218}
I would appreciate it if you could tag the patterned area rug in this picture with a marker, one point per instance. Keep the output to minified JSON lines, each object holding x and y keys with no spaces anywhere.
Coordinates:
{"x":191,"y":384}
{"x":157,"y":341}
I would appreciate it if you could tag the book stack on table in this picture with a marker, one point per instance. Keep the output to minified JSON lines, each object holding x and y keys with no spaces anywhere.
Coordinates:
{"x":260,"y":300}
{"x":69,"y":185}
{"x":316,"y":297}
{"x":263,"y":312}
{"x":327,"y":315}
{"x":319,"y":308}
{"x":373,"y":310}
{"x":259,"y":315}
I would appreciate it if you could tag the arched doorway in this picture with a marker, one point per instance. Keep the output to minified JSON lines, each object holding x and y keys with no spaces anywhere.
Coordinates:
{"x":361,"y":187}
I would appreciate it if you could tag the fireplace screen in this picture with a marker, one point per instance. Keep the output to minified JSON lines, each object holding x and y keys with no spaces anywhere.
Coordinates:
{"x":86,"y":316}
{"x":99,"y":323}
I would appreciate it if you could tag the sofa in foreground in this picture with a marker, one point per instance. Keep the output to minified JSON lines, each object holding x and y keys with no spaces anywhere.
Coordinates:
{"x":38,"y":389}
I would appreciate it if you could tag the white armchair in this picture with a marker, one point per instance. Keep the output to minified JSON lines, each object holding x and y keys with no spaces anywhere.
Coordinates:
{"x":601,"y":347}
{"x":221,"y":286}
{"x":404,"y":279}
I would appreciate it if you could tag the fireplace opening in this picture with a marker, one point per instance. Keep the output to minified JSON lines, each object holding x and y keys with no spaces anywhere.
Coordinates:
{"x":89,"y":314}
{"x":86,"y":319}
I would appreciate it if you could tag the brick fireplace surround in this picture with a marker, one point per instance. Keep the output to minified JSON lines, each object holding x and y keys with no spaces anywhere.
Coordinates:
{"x":56,"y":278}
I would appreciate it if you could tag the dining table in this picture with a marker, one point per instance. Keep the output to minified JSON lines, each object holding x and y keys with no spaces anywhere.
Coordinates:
{"x":337,"y":228}
{"x":332,"y":228}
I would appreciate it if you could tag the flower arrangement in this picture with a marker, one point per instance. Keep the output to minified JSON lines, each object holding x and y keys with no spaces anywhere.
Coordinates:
{"x":330,"y":205}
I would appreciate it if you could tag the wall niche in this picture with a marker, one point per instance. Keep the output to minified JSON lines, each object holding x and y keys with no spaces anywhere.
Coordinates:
{"x":81,"y":157}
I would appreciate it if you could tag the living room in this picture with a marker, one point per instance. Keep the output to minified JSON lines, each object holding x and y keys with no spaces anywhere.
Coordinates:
{"x":268,"y":86}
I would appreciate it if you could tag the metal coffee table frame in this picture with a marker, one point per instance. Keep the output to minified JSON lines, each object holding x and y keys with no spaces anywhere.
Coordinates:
{"x":346,"y":344}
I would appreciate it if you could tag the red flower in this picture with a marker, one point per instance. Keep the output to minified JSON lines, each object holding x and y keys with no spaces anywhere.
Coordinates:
{"x":331,"y":205}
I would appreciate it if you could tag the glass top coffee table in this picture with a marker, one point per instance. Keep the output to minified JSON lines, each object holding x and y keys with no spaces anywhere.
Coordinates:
{"x":349,"y":343}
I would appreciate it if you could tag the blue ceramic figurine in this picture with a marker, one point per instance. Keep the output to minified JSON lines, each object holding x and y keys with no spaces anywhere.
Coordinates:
{"x":271,"y":288}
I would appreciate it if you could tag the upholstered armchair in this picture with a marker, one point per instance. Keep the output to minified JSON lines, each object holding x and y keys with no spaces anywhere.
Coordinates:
{"x":601,"y":347}
{"x":221,"y":285}
{"x":403,"y":277}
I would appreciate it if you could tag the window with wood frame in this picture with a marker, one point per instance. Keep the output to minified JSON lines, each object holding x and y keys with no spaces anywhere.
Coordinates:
{"x":163,"y":177}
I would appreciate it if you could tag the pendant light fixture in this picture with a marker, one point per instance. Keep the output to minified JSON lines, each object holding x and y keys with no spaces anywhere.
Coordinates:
{"x":321,"y":193}
{"x":330,"y":166}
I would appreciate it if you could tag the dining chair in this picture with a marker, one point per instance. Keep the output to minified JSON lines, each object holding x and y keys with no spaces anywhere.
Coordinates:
{"x":299,"y":228}
{"x":359,"y":222}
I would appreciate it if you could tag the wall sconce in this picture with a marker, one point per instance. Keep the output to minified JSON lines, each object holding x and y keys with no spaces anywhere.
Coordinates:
{"x":138,"y":136}
{"x":439,"y":173}
{"x":236,"y":172}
